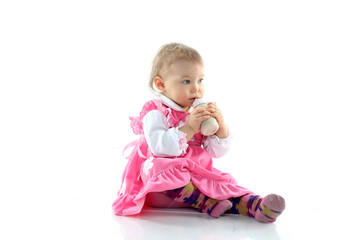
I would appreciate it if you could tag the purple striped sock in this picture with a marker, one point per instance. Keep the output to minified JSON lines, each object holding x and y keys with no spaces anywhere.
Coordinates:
{"x":192,"y":196}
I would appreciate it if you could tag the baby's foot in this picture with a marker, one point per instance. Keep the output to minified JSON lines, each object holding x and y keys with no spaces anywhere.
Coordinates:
{"x":221,"y":208}
{"x":270,"y":208}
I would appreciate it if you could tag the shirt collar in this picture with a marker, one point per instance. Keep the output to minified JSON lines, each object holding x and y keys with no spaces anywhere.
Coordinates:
{"x":168,"y":102}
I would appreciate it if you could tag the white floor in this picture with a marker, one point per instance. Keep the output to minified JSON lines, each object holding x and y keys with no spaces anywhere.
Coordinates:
{"x":190,"y":224}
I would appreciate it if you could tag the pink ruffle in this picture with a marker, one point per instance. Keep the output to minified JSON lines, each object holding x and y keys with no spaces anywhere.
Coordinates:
{"x":218,"y":188}
{"x":127,"y":205}
{"x":215,"y":186}
{"x":156,"y":104}
{"x":171,"y":178}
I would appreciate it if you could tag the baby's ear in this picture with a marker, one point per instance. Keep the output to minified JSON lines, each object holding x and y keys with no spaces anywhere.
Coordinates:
{"x":159,"y":83}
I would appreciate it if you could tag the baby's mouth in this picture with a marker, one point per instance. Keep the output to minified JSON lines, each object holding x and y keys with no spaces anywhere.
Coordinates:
{"x":192,"y":100}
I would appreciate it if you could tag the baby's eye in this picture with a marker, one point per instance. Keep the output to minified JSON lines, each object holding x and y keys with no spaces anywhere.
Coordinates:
{"x":200,"y":80}
{"x":186,"y":81}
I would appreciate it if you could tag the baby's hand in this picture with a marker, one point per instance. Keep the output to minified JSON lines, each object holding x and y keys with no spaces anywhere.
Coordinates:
{"x":196,"y":117}
{"x":216,"y":113}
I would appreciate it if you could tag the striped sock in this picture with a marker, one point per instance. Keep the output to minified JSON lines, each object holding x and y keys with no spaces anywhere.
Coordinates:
{"x":246,"y":205}
{"x":265,"y":209}
{"x":192,"y":196}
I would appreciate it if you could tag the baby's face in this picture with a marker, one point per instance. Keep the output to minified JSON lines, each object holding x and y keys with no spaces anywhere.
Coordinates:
{"x":183,"y":83}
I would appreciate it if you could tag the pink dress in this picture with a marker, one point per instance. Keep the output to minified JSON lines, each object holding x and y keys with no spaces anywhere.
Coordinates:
{"x":152,"y":170}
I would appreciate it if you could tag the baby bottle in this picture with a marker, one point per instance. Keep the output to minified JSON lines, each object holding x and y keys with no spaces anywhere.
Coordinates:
{"x":209,"y":126}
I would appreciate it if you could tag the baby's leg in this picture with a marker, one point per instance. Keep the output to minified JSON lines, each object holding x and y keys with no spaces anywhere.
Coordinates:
{"x":159,"y":200}
{"x":265,"y":209}
{"x":193,"y":197}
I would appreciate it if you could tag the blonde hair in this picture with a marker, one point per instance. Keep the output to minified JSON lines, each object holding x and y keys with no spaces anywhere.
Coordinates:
{"x":167,"y":55}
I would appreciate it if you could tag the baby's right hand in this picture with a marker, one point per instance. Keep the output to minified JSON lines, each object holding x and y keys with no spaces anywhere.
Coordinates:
{"x":196,"y":117}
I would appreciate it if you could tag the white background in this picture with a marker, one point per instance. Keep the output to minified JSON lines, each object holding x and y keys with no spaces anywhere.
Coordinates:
{"x":285,"y":74}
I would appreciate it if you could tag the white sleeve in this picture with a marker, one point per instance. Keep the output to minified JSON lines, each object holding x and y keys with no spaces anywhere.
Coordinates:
{"x":163,"y":141}
{"x":218,"y":147}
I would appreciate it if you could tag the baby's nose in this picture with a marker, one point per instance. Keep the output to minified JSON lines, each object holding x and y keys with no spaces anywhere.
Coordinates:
{"x":195,"y":88}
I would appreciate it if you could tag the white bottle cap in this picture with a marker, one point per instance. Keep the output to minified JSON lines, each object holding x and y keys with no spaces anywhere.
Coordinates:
{"x":198,"y":101}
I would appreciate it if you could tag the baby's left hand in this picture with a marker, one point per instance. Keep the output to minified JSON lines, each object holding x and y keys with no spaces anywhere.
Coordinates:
{"x":216,"y":113}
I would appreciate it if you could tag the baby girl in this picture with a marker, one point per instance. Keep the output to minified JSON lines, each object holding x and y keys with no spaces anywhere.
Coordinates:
{"x":171,"y":162}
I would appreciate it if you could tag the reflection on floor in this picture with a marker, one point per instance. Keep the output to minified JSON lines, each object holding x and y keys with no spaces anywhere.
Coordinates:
{"x":155,"y":223}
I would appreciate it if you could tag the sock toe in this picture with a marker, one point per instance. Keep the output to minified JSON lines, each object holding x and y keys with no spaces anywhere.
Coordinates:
{"x":274,"y":202}
{"x":270,"y":208}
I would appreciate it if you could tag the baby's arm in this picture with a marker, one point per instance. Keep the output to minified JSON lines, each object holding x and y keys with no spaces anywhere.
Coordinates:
{"x":218,"y":147}
{"x":163,"y":141}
